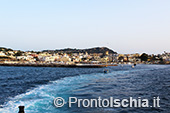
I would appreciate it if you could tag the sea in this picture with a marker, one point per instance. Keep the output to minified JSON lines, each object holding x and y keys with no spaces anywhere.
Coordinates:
{"x":37,"y":87}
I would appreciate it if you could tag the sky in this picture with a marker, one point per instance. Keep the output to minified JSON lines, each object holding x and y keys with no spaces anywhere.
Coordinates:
{"x":125,"y":26}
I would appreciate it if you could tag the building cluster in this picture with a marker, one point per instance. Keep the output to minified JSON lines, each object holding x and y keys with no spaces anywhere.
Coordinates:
{"x":12,"y":56}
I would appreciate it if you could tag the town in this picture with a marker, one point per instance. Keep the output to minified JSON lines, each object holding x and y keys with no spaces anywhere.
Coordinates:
{"x":107,"y":56}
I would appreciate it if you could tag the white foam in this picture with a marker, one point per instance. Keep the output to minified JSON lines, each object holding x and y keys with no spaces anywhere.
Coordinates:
{"x":42,"y":96}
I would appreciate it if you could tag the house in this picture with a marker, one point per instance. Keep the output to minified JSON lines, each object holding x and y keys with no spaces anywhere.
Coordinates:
{"x":2,"y":54}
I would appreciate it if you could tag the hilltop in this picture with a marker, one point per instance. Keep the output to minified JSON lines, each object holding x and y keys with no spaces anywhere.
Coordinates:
{"x":5,"y":49}
{"x":70,"y":50}
{"x":90,"y":50}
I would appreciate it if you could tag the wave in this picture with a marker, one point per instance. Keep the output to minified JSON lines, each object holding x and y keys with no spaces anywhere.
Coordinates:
{"x":40,"y":99}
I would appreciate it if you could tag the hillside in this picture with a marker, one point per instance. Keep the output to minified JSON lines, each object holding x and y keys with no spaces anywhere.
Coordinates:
{"x":90,"y":50}
{"x":5,"y":49}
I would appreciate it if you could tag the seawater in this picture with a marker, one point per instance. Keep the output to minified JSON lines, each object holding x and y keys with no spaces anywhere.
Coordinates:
{"x":36,"y":87}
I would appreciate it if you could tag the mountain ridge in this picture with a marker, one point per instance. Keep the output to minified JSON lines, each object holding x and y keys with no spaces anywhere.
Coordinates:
{"x":72,"y":50}
{"x":89,"y":50}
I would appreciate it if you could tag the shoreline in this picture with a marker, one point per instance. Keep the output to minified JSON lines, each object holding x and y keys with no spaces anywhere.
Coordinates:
{"x":68,"y":65}
{"x":59,"y":65}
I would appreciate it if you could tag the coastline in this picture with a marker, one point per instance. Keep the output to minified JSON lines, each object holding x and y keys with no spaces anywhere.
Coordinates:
{"x":72,"y":65}
{"x":58,"y":65}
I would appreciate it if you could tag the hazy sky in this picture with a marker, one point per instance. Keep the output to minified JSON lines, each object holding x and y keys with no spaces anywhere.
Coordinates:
{"x":126,"y":26}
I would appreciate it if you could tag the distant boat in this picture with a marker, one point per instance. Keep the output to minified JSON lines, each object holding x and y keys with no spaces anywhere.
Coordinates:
{"x":133,"y":66}
{"x":106,"y":71}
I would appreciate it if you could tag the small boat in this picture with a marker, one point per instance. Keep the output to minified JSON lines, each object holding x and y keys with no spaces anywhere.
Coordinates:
{"x":106,"y":71}
{"x":133,"y":66}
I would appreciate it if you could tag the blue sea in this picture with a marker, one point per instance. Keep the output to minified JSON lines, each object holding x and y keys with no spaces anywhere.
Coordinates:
{"x":37,"y":87}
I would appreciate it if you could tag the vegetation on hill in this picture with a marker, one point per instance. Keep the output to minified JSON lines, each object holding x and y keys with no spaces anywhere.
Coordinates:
{"x":90,"y":50}
{"x":5,"y":49}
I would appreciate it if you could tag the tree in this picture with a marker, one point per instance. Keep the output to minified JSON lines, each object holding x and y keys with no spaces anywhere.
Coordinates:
{"x":19,"y":53}
{"x":144,"y":57}
{"x":121,"y":58}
